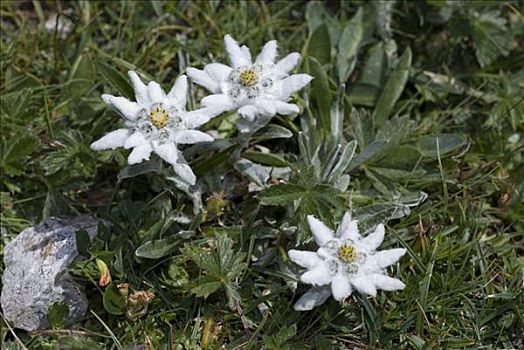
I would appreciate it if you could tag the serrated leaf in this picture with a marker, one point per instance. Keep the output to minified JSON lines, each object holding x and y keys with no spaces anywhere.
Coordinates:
{"x":14,"y":152}
{"x":114,"y":302}
{"x":221,"y":268}
{"x":56,"y":315}
{"x":392,"y":90}
{"x":431,"y":146}
{"x":319,"y":45}
{"x":491,"y":36}
{"x":281,"y":194}
{"x":348,"y":46}
{"x":158,"y":248}
{"x":116,"y":79}
{"x":205,"y":286}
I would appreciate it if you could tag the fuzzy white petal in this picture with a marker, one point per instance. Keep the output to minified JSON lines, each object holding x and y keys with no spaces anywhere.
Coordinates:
{"x":247,"y":53}
{"x":364,"y":285}
{"x":203,"y":79}
{"x":198,"y":117}
{"x":267,"y":107}
{"x":386,"y":283}
{"x":122,"y":105}
{"x":218,"y":72}
{"x":237,"y":56}
{"x":136,"y":139}
{"x":318,"y":276}
{"x":167,"y":152}
{"x":191,"y":136}
{"x":340,"y":287}
{"x":321,"y":232}
{"x":388,"y":257}
{"x":112,"y":140}
{"x":249,"y":112}
{"x":284,"y":108}
{"x":348,"y":228}
{"x":219,"y":103}
{"x":185,"y":172}
{"x":304,"y":258}
{"x":268,"y":53}
{"x":293,"y":83}
{"x":178,"y":93}
{"x":289,"y":62}
{"x":314,"y":297}
{"x":155,"y":92}
{"x":140,"y":88}
{"x":139,"y":153}
{"x":375,"y":239}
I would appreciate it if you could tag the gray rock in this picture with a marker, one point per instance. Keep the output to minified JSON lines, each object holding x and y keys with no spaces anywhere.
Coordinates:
{"x":35,"y":274}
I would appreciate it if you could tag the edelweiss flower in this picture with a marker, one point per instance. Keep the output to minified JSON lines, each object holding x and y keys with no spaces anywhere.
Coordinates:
{"x":156,"y":122}
{"x":255,"y":89}
{"x":345,"y":261}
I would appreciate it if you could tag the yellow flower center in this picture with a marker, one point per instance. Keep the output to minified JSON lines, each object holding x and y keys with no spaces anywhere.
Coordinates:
{"x":248,"y":77}
{"x":159,"y":117}
{"x":347,"y":253}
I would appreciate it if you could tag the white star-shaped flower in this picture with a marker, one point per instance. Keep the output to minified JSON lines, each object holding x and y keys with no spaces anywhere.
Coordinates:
{"x":158,"y":123}
{"x":344,"y":262}
{"x":257,"y":89}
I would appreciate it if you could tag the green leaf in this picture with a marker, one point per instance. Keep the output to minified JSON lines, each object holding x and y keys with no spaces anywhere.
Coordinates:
{"x":83,"y":241}
{"x":374,"y":72}
{"x":281,"y":194}
{"x":150,"y":166}
{"x":81,"y":76}
{"x":343,"y":163}
{"x":221,"y":268}
{"x":208,"y":164}
{"x":320,"y":92}
{"x":272,"y":131}
{"x":114,"y":302}
{"x":14,"y":152}
{"x":257,"y":173}
{"x":158,"y":248}
{"x":392,"y":90}
{"x":178,"y":276}
{"x":431,"y":146}
{"x":265,"y":158}
{"x":56,"y":315}
{"x":55,"y":204}
{"x":367,"y":90}
{"x":319,"y":45}
{"x":348,"y":46}
{"x":116,"y":79}
{"x":337,"y":114}
{"x":491,"y":36}
{"x":367,"y":154}
{"x":205,"y":286}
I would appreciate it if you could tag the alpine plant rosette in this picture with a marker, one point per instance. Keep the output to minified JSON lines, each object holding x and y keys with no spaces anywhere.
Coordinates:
{"x":158,"y":123}
{"x":257,"y":90}
{"x":344,"y":261}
